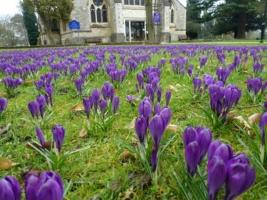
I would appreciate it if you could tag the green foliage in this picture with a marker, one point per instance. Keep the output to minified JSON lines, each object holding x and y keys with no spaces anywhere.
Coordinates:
{"x":50,"y":10}
{"x":30,"y":21}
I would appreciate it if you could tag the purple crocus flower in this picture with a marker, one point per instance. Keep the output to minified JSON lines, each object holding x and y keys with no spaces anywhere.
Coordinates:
{"x":79,"y":85}
{"x":218,"y":156}
{"x":150,"y":92}
{"x":240,"y":176}
{"x":141,"y":128}
{"x":3,"y":104}
{"x":34,"y":107}
{"x":47,"y":185}
{"x":140,"y":79}
{"x":103,"y":105}
{"x":222,"y":99}
{"x":159,"y":93}
{"x":10,"y":188}
{"x":95,"y":97}
{"x":108,"y":91}
{"x":208,"y":80}
{"x":49,"y":92}
{"x":216,"y":176}
{"x":87,"y":104}
{"x":257,"y":67}
{"x":197,"y":82}
{"x":156,"y":128}
{"x":222,"y":74}
{"x":190,"y":70}
{"x":265,"y":106}
{"x":130,"y":99}
{"x":115,"y":104}
{"x":196,"y":144}
{"x":202,"y":61}
{"x":42,"y":104}
{"x":168,"y":96}
{"x":40,"y":136}
{"x":58,"y":136}
{"x":157,"y":108}
{"x":263,"y":125}
{"x":145,"y":108}
{"x":254,"y":85}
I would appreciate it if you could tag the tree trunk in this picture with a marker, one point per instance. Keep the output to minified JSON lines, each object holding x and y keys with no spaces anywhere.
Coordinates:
{"x":263,"y":25}
{"x":149,"y":24}
{"x":241,"y":27}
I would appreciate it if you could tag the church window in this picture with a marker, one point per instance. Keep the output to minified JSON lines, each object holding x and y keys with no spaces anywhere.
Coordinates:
{"x":172,"y":16}
{"x":99,"y":12}
{"x":93,"y":13}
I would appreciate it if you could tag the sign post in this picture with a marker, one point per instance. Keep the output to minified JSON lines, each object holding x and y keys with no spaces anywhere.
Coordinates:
{"x":75,"y":25}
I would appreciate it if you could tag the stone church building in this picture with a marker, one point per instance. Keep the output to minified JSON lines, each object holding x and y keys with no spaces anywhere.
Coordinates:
{"x":119,"y":21}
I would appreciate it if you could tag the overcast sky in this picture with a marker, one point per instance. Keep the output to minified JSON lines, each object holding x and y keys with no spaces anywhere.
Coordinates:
{"x":10,"y":7}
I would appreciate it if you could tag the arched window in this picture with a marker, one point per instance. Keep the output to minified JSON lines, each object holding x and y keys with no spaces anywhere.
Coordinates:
{"x":104,"y":13}
{"x":137,"y":2}
{"x":92,"y":10}
{"x":172,"y":16}
{"x":98,"y":15}
{"x":99,"y":12}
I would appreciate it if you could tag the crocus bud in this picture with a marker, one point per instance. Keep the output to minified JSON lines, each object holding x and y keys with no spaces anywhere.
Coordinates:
{"x":192,"y":156}
{"x":40,"y":136}
{"x":115,"y":104}
{"x":168,"y":97}
{"x":87,"y":104}
{"x":141,"y":128}
{"x":103,"y":105}
{"x":156,"y":128}
{"x":47,"y":185}
{"x":197,"y":82}
{"x":33,"y":107}
{"x":145,"y":108}
{"x":196,"y":144}
{"x":95,"y":97}
{"x":3,"y":104}
{"x":216,"y":176}
{"x":263,"y":125}
{"x":159,"y":92}
{"x":240,"y":176}
{"x":166,"y":115}
{"x":42,"y":103}
{"x":9,"y":189}
{"x":58,"y":136}
{"x":254,"y":85}
{"x":79,"y":85}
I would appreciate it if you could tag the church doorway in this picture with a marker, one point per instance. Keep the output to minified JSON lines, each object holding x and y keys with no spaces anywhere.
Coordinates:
{"x":135,"y":30}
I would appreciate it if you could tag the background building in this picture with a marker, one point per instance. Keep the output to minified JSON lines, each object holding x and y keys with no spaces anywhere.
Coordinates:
{"x":119,"y":21}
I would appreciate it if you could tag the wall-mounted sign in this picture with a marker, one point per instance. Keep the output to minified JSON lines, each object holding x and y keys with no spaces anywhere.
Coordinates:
{"x":156,"y":18}
{"x":74,"y":25}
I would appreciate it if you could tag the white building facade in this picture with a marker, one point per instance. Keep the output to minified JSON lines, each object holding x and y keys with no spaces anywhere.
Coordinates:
{"x":122,"y":21}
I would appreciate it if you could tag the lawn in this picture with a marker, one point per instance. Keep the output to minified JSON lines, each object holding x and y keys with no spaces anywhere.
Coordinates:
{"x":100,"y":158}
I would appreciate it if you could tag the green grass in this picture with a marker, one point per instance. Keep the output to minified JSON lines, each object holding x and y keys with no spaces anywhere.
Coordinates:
{"x":100,"y":172}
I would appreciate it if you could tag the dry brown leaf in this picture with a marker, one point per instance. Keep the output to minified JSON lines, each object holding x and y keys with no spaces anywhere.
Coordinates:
{"x":28,"y":82}
{"x":126,"y":156}
{"x":254,"y":119}
{"x":78,"y":108}
{"x":172,"y":88}
{"x":5,"y":164}
{"x":131,"y":125}
{"x":83,"y":133}
{"x":244,"y":123}
{"x":172,"y":127}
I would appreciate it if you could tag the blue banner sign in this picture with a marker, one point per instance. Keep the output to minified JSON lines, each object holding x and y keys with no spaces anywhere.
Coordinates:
{"x":74,"y":25}
{"x":156,"y":17}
